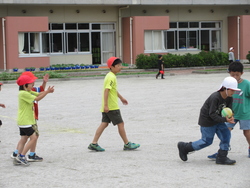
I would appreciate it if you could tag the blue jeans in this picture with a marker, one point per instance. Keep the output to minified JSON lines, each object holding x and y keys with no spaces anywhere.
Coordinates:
{"x":207,"y":137}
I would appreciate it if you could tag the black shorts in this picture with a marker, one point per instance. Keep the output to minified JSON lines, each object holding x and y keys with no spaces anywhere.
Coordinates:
{"x":26,"y":131}
{"x":113,"y":116}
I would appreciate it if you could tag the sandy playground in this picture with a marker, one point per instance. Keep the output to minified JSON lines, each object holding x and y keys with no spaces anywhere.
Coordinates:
{"x":159,"y":114}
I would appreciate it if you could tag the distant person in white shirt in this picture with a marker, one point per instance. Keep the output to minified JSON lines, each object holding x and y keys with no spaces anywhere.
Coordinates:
{"x":231,"y":55}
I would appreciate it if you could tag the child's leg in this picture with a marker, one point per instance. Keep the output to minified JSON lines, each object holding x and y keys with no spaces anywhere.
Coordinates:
{"x":99,"y":131}
{"x":122,"y":132}
{"x":207,"y":137}
{"x":21,"y":143}
{"x":33,"y":147}
{"x":32,"y":141}
{"x":224,"y":134}
{"x":158,"y":74}
{"x":247,"y":135}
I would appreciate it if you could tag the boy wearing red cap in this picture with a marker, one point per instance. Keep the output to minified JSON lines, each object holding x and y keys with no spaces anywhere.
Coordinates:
{"x":110,"y":109}
{"x":32,"y":156}
{"x":25,"y":118}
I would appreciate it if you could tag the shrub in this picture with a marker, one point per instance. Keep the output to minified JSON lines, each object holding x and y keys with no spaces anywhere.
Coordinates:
{"x":53,"y":74}
{"x":248,"y":56}
{"x":211,"y":58}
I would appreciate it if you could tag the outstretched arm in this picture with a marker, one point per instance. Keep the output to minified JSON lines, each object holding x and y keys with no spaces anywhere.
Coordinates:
{"x":43,"y":94}
{"x":45,"y":80}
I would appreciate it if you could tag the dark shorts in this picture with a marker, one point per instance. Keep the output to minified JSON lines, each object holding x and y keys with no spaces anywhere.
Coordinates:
{"x":113,"y":116}
{"x":26,"y":131}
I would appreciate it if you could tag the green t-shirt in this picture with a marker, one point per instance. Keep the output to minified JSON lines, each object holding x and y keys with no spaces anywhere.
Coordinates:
{"x":110,"y":83}
{"x":25,"y":116}
{"x":241,"y":101}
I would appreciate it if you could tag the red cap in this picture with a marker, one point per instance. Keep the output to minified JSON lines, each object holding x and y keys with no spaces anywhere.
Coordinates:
{"x":24,"y":79}
{"x":30,"y":74}
{"x":1,"y":83}
{"x":111,"y":60}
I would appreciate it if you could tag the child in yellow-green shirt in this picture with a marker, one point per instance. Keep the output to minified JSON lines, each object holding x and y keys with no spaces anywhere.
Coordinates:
{"x":110,"y":109}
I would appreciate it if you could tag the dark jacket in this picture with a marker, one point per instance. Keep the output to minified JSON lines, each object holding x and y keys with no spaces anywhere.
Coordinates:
{"x":210,"y":113}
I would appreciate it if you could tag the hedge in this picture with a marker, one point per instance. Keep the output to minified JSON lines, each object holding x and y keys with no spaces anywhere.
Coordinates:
{"x":211,"y":58}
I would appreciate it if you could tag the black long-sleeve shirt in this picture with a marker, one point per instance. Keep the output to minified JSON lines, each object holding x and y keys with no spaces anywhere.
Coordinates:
{"x":210,"y":113}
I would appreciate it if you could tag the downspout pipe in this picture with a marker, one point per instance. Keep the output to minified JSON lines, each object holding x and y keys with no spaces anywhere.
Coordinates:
{"x":120,"y":30}
{"x":4,"y":44}
{"x":238,"y":37}
{"x":131,"y":40}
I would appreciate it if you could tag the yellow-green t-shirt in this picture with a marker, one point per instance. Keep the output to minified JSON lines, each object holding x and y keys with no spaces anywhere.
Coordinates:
{"x":25,"y":115}
{"x":110,"y":83}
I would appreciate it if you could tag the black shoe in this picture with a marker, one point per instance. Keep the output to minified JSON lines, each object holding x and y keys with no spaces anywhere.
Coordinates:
{"x":182,"y":151}
{"x":223,"y":159}
{"x":13,"y":155}
{"x":34,"y":158}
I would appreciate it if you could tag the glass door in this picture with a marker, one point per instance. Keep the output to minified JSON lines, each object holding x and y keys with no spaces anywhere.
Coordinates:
{"x":108,"y":46}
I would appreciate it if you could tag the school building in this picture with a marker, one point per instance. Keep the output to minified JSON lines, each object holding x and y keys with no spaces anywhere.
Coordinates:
{"x":42,"y":33}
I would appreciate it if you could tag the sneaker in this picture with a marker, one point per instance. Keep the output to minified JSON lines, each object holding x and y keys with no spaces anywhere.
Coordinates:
{"x":131,"y":146}
{"x":95,"y":147}
{"x":212,"y":157}
{"x":23,"y":160}
{"x":13,"y":155}
{"x":34,"y":158}
{"x":16,"y":162}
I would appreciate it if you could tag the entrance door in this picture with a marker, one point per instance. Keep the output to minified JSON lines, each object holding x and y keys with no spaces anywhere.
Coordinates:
{"x":108,"y":45}
{"x":103,"y":46}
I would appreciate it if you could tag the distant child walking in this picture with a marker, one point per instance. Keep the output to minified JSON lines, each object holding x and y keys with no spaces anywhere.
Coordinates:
{"x":211,"y":122}
{"x":110,"y":108}
{"x":26,"y":118}
{"x":241,"y":103}
{"x":231,"y":55}
{"x":160,"y":67}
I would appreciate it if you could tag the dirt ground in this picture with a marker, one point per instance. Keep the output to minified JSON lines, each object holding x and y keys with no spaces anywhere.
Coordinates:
{"x":159,"y":114}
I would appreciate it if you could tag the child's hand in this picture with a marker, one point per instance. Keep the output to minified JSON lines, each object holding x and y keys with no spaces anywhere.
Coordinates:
{"x":230,"y":120}
{"x":106,"y":109}
{"x":50,"y":89}
{"x":46,"y":78}
{"x":2,"y":105}
{"x":124,"y":101}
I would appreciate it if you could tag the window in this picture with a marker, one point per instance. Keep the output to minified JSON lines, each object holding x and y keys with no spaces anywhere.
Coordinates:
{"x":29,"y":43}
{"x":193,"y":36}
{"x":72,"y":38}
{"x":83,"y":41}
{"x":170,"y":42}
{"x":56,"y":42}
{"x":153,"y":41}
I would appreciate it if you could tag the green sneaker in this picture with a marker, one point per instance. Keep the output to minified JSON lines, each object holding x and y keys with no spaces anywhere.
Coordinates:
{"x":131,"y":146}
{"x":95,"y":147}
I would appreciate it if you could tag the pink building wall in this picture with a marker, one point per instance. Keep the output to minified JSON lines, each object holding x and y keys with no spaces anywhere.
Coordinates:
{"x":13,"y":25}
{"x":139,"y":25}
{"x":244,"y":35}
